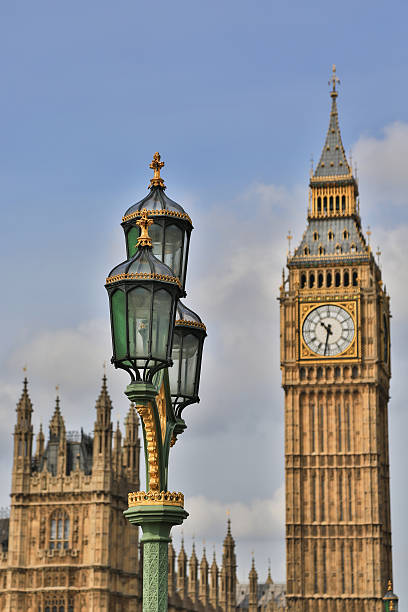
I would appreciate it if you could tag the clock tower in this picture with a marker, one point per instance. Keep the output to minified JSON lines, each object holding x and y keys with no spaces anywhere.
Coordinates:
{"x":335,"y":361}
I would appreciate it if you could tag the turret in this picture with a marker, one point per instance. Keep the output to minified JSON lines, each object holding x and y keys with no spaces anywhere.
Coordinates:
{"x":253,"y":588}
{"x":39,"y":449}
{"x":214,"y":583}
{"x":193,"y":576}
{"x":228,"y":572}
{"x":117,"y":451}
{"x":102,"y":448}
{"x":23,"y":439}
{"x":172,"y":572}
{"x":58,"y":436}
{"x":203,"y":587}
{"x":131,"y":448}
{"x":182,"y":572}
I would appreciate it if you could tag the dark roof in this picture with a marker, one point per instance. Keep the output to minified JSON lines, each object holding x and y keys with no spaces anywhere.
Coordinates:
{"x":346,"y":239}
{"x":77,"y":449}
{"x":333,"y":161}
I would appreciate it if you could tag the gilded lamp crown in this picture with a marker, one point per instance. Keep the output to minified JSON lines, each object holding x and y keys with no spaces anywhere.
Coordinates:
{"x":144,"y":222}
{"x":156,"y":166}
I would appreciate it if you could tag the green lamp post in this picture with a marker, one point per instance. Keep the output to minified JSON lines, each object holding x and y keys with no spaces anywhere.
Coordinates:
{"x":390,"y":599}
{"x":147,"y":338}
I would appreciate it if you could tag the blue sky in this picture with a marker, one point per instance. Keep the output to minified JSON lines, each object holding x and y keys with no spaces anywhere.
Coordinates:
{"x":234,"y":95}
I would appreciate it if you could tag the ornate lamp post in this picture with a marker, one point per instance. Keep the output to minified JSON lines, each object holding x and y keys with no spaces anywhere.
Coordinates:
{"x":147,"y":338}
{"x":390,"y":599}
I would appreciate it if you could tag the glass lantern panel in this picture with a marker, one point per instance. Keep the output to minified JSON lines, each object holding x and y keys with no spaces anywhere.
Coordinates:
{"x":176,"y":357}
{"x":132,"y":237}
{"x":139,"y":303}
{"x":156,"y":234}
{"x":161,"y":323}
{"x":188,"y":364}
{"x":119,"y":323}
{"x":173,"y":249}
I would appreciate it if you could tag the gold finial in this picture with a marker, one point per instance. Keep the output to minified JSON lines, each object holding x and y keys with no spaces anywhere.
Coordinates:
{"x":25,"y":368}
{"x":57,"y":388}
{"x":289,"y":238}
{"x":144,"y":222}
{"x":368,"y":235}
{"x":390,"y":585}
{"x":156,"y":166}
{"x":334,"y":80}
{"x":378,"y":253}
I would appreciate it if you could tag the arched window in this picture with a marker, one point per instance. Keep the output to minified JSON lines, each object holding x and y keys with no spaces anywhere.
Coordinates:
{"x":353,"y":248}
{"x":329,"y":279}
{"x":325,"y":204}
{"x":337,"y":203}
{"x":320,"y":280}
{"x":59,"y":530}
{"x":346,"y":278}
{"x":337,"y":279}
{"x":355,"y":277}
{"x":303,"y":281}
{"x":331,"y":203}
{"x":319,"y":204}
{"x":321,"y":250}
{"x":330,"y":235}
{"x":343,"y":203}
{"x":311,"y":280}
{"x":315,"y":236}
{"x":306,"y":250}
{"x":338,"y":249}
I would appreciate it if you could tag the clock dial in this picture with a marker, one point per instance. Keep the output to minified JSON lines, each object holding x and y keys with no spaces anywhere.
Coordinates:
{"x":328,"y":330}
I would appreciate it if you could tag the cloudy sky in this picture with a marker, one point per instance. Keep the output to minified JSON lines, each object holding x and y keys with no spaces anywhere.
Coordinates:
{"x":234,"y":95}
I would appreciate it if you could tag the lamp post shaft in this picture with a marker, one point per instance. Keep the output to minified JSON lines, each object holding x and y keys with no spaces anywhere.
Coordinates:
{"x":156,"y":522}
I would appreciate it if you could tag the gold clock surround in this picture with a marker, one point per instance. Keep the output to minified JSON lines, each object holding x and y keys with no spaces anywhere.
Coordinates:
{"x":350,"y":353}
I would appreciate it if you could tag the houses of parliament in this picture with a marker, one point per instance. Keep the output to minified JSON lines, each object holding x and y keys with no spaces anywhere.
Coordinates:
{"x":67,"y":547}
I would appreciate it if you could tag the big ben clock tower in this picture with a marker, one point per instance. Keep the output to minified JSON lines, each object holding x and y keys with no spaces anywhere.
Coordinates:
{"x":335,"y":360}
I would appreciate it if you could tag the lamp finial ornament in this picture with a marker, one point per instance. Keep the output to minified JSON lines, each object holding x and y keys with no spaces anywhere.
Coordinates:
{"x":144,"y":222}
{"x":334,"y":80}
{"x":156,"y":166}
{"x":390,"y":585}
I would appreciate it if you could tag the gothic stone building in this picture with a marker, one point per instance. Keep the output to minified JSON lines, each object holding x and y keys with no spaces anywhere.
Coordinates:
{"x":67,"y":547}
{"x":335,"y":358}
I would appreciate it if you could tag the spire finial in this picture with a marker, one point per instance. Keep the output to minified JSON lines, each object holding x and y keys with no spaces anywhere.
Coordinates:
{"x":389,"y":586}
{"x":334,"y":80}
{"x":144,"y":222}
{"x":368,"y":235}
{"x":156,"y":166}
{"x":378,"y":253}
{"x":289,"y":239}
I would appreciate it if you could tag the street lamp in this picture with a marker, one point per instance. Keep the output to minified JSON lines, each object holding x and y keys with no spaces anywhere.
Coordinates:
{"x":147,"y":338}
{"x":390,"y":599}
{"x":171,"y":228}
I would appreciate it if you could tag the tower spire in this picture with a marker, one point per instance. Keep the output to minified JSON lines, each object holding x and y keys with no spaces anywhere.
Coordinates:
{"x":102,"y":450}
{"x":333,"y":161}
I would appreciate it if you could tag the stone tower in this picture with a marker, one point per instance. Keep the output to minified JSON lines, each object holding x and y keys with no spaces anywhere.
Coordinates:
{"x":228,"y":573}
{"x":335,"y":360}
{"x":70,"y":548}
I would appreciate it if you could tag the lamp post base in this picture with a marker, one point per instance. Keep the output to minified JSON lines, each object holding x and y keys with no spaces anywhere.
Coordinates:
{"x":156,"y":522}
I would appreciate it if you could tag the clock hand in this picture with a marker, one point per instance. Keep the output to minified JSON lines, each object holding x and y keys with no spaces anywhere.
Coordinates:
{"x":327,"y":340}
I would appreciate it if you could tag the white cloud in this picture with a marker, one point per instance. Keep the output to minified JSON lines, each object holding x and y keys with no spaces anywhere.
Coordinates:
{"x":382,"y":166}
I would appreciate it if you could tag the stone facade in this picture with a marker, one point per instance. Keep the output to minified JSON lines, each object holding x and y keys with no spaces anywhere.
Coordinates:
{"x":338,"y":528}
{"x":69,"y":546}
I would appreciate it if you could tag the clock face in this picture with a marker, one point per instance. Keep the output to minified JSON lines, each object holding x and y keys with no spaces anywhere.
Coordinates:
{"x":328,"y":330}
